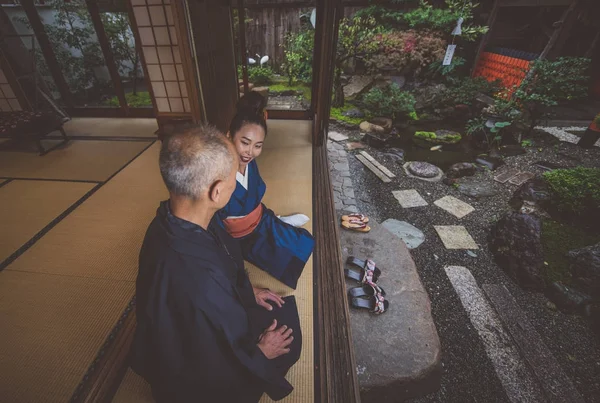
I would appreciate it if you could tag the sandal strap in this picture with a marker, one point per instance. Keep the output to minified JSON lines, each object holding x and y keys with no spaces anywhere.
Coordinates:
{"x":379,"y":304}
{"x":367,"y":277}
{"x":355,"y":216}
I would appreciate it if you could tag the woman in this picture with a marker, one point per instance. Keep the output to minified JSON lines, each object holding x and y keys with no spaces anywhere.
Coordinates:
{"x":267,"y":241}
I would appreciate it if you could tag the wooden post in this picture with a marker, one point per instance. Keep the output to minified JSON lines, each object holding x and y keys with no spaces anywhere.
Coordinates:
{"x":243,"y":50}
{"x":108,"y":54}
{"x":590,"y":52}
{"x":566,"y":25}
{"x":486,"y":37}
{"x":47,"y":51}
{"x":565,"y":21}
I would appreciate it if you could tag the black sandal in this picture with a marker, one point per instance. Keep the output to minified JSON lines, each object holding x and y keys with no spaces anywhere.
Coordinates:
{"x":376,"y":304}
{"x":364,"y":276}
{"x":367,"y":290}
{"x":364,"y":264}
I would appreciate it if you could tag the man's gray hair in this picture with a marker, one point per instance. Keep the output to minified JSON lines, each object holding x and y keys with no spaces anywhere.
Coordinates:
{"x":193,"y":159}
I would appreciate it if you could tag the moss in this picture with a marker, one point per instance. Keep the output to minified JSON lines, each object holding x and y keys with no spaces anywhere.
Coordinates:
{"x":425,"y":135}
{"x":413,"y":115}
{"x":557,"y":240}
{"x":137,"y":100}
{"x":453,"y":138}
{"x":576,"y":191}
{"x":337,"y":114}
{"x":300,"y":88}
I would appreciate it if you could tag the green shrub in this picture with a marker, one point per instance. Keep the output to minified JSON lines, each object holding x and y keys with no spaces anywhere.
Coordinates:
{"x":389,"y":101}
{"x":465,"y":90}
{"x":260,"y":75}
{"x":425,"y":135}
{"x":139,"y":100}
{"x":576,"y":191}
{"x":298,"y":51}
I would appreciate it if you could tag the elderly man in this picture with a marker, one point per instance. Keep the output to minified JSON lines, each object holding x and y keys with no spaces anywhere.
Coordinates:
{"x":204,"y":333}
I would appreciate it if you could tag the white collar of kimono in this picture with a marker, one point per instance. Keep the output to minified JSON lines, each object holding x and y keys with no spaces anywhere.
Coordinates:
{"x":243,"y":179}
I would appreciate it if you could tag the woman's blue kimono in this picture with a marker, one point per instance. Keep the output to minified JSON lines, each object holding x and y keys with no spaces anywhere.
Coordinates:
{"x":278,"y":248}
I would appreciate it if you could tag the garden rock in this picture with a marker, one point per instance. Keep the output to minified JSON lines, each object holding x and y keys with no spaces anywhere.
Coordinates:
{"x":354,"y":113}
{"x":374,"y":140}
{"x":386,"y":123}
{"x":492,"y":163}
{"x":477,"y":190}
{"x":568,"y":298}
{"x":264,"y":91}
{"x":516,"y":244}
{"x":461,"y":169}
{"x":533,"y":194}
{"x":396,"y":154}
{"x":427,"y":139}
{"x":423,"y":169}
{"x":400,"y":81}
{"x":512,"y":150}
{"x":357,"y":85}
{"x":427,"y":96}
{"x":585,"y":267}
{"x":371,"y":128}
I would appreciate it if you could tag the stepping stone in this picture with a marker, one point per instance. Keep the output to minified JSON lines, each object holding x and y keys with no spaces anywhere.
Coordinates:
{"x":373,"y":168}
{"x":335,"y":136}
{"x":409,"y":198}
{"x":454,"y":206}
{"x":506,"y":175}
{"x":521,"y":178}
{"x":411,"y":235}
{"x":477,"y":190}
{"x":377,"y":164}
{"x":455,"y":237}
{"x":423,"y":170}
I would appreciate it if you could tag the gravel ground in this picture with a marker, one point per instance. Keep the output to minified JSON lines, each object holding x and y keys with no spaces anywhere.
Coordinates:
{"x":468,"y":373}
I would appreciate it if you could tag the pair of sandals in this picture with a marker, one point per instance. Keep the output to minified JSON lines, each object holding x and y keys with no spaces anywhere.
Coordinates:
{"x":356,"y":222}
{"x":369,"y":295}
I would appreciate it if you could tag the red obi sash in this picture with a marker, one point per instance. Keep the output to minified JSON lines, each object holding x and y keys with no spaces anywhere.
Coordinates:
{"x":240,"y":227}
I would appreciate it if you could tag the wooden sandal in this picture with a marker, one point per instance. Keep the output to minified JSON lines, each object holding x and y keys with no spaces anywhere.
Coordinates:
{"x":358,"y":217}
{"x":357,"y":226}
{"x":377,"y":304}
{"x":367,"y":290}
{"x":364,"y":264}
{"x":369,"y":274}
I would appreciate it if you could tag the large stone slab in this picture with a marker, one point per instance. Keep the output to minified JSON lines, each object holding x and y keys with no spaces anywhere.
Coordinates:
{"x":409,"y":198}
{"x":398,"y":353}
{"x":408,"y":233}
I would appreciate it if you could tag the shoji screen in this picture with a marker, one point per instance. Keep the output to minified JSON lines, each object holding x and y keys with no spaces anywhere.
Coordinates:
{"x":158,"y":37}
{"x":8,"y":98}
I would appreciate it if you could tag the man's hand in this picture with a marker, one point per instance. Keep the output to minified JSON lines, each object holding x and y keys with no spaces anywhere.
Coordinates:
{"x":275,"y":342}
{"x":263,"y":295}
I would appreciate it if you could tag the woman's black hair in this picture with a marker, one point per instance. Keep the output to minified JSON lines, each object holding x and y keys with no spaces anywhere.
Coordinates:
{"x":244,"y":118}
{"x":252,"y":102}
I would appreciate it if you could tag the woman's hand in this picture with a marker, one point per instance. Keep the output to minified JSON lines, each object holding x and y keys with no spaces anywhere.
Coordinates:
{"x":263,"y":295}
{"x":275,"y":342}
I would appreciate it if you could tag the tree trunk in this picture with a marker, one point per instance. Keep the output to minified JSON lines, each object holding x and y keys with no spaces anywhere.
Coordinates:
{"x":135,"y":73}
{"x":338,"y":91}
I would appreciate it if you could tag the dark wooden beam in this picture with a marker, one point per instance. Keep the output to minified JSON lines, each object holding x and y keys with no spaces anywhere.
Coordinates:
{"x":560,"y":28}
{"x":567,"y":23}
{"x":139,"y":49}
{"x":46,"y":47}
{"x":534,"y":3}
{"x":242,"y":39}
{"x":109,"y":58}
{"x":485,"y":39}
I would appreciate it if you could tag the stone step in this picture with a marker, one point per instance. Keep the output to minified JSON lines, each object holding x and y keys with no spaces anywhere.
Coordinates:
{"x":398,"y":353}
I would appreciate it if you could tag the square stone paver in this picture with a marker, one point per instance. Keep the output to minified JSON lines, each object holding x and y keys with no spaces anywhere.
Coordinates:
{"x":455,"y":237}
{"x":454,"y":206}
{"x":409,"y":198}
{"x":335,"y":136}
{"x":521,"y":178}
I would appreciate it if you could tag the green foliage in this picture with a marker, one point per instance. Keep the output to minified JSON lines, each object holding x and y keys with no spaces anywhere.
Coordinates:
{"x":405,"y":51}
{"x":576,"y":191}
{"x":413,"y":115}
{"x":465,"y":90}
{"x":498,"y":126}
{"x":597,"y":120}
{"x":337,"y":114}
{"x":389,"y":101}
{"x":558,"y":239}
{"x":475,"y":125}
{"x":260,"y":75}
{"x":444,"y":19}
{"x":300,"y":88}
{"x":449,"y":74}
{"x":426,"y":135}
{"x":526,"y":143}
{"x":298,"y":51}
{"x":138,"y":100}
{"x":551,"y":83}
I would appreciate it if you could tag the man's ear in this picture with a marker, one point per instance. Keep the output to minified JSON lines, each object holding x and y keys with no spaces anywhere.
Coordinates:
{"x":215,"y":191}
{"x":228,"y":135}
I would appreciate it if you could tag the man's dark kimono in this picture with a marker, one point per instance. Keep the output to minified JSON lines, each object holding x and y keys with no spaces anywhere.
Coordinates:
{"x":197,"y":319}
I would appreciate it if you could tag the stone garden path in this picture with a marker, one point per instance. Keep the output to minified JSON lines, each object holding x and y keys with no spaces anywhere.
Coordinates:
{"x":524,"y":367}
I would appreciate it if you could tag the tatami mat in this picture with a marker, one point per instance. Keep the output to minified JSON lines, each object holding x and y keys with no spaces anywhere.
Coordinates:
{"x":62,"y":297}
{"x":102,"y":237}
{"x":28,"y":206}
{"x":110,"y":127}
{"x":77,"y":160}
{"x":52,"y":328}
{"x":286,"y":167}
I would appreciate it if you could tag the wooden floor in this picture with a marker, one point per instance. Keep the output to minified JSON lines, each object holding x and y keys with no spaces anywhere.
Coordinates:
{"x":72,"y":225}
